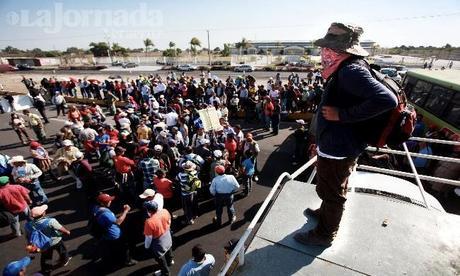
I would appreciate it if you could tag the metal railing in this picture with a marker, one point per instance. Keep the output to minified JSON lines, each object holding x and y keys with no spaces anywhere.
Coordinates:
{"x":239,"y":249}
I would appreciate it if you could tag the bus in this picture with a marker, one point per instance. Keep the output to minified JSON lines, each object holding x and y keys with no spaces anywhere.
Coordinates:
{"x":436,"y":95}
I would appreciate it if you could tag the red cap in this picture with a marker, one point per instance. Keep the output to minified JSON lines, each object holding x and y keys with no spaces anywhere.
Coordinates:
{"x":219,"y":169}
{"x":105,"y":198}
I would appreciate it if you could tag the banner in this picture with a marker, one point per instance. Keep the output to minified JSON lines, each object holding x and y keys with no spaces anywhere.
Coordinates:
{"x":210,"y":119}
{"x":20,"y":103}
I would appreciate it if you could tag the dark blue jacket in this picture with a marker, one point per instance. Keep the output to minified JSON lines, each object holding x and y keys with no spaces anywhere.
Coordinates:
{"x":358,"y":96}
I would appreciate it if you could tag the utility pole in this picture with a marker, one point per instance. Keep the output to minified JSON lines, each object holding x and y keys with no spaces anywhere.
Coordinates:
{"x":209,"y":49}
{"x":107,"y":37}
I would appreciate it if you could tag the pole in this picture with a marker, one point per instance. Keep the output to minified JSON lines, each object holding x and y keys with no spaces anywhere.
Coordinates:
{"x":209,"y":49}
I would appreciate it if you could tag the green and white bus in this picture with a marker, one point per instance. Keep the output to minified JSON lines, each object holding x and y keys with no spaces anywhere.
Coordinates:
{"x":436,"y":95}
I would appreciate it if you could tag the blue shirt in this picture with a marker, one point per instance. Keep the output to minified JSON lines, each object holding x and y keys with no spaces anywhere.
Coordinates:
{"x":198,"y":269}
{"x":224,"y":184}
{"x":102,"y":139}
{"x":420,"y":162}
{"x":248,"y":166}
{"x":108,"y":221}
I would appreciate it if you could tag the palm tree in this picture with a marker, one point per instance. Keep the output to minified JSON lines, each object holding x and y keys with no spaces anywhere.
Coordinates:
{"x":243,"y":44}
{"x":171,"y":47}
{"x":147,"y":43}
{"x":194,"y":42}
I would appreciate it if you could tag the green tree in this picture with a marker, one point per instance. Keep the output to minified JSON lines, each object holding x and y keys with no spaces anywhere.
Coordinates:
{"x":99,"y":49}
{"x":178,"y":51}
{"x":171,"y":47}
{"x":147,"y":43}
{"x":194,"y":42}
{"x":12,"y":50}
{"x":226,"y":51}
{"x":118,"y":50}
{"x":243,"y":44}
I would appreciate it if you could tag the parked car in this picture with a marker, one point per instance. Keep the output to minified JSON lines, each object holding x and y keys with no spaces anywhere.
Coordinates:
{"x":117,"y":63}
{"x":129,"y":65}
{"x":392,"y":73}
{"x":243,"y":68}
{"x":24,"y":67}
{"x":186,"y":67}
{"x":7,"y":68}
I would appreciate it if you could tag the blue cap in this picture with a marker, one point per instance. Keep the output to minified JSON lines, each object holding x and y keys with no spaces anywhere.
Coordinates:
{"x":151,"y":206}
{"x":13,"y":268}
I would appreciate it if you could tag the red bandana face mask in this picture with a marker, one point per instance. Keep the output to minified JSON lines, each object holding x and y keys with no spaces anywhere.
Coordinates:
{"x":331,"y":60}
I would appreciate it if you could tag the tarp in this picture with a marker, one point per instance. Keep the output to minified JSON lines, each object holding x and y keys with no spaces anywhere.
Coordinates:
{"x":20,"y":103}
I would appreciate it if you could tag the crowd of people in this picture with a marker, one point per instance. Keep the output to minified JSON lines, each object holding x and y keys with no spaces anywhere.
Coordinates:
{"x":157,"y":152}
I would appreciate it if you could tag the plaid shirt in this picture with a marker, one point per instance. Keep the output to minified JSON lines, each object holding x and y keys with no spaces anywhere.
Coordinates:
{"x":149,"y":166}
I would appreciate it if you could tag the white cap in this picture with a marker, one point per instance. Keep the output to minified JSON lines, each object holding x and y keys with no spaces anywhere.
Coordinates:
{"x":217,"y":153}
{"x":158,"y":147}
{"x":147,"y":193}
{"x":67,"y":143}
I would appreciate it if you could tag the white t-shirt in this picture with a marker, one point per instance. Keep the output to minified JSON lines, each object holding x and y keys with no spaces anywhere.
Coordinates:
{"x":171,"y":119}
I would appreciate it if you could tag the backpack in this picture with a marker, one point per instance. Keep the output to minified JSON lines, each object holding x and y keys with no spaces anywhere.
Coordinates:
{"x":95,"y":228}
{"x":193,"y":182}
{"x":37,"y":238}
{"x":392,"y":127}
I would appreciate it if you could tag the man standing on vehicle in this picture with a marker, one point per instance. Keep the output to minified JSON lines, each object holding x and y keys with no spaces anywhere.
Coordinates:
{"x":351,"y":95}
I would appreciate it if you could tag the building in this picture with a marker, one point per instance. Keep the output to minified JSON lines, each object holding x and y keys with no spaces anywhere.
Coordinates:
{"x":288,"y":47}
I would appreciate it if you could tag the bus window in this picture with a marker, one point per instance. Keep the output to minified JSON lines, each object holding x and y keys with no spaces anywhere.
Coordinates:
{"x":420,"y":92}
{"x":438,"y":100}
{"x":453,"y":111}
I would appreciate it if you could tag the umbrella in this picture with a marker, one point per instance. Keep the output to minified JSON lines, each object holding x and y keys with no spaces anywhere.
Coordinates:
{"x":94,"y":80}
{"x":73,"y":79}
{"x":64,"y":79}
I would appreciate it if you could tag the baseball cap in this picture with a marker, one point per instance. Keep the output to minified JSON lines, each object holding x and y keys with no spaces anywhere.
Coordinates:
{"x":13,"y":268}
{"x":147,"y":193}
{"x":38,"y":211}
{"x":219,"y":169}
{"x":151,"y":206}
{"x":105,"y":198}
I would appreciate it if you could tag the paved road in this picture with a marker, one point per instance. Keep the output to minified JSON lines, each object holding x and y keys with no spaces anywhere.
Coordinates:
{"x":69,"y":206}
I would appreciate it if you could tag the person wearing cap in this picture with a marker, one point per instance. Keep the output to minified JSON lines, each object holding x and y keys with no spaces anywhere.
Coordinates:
{"x":158,"y":239}
{"x":64,"y":157}
{"x":200,"y":264}
{"x":83,"y":173}
{"x":223,"y":186}
{"x":17,"y":268}
{"x":113,"y":242}
{"x":51,"y":228}
{"x":189,"y":185}
{"x":198,"y":136}
{"x":36,"y":124}
{"x":352,"y":95}
{"x":149,"y":195}
{"x":301,"y":136}
{"x":15,"y":199}
{"x":247,"y":170}
{"x":250,"y":144}
{"x":189,"y":155}
{"x":59,"y":101}
{"x":27,"y":175}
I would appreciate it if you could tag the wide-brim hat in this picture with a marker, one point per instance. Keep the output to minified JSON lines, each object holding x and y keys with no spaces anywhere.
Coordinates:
{"x":17,"y":159}
{"x":67,"y":143}
{"x":343,"y":37}
{"x":189,"y":166}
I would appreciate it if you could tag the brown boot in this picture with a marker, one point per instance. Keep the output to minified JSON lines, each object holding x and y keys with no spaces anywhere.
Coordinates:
{"x":311,"y":238}
{"x":312,"y":212}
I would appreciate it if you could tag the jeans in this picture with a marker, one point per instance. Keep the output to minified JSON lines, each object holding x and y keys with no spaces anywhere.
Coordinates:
{"x":190,"y":206}
{"x":47,"y":256}
{"x":37,"y":193}
{"x":221,"y":201}
{"x":15,"y":224}
{"x":165,"y":262}
{"x":267,"y":121}
{"x":247,"y":183}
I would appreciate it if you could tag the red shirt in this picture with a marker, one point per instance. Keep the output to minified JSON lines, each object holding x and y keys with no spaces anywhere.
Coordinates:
{"x":113,"y":134}
{"x":157,"y":224}
{"x":123,"y":164}
{"x":14,"y":198}
{"x":164,"y":186}
{"x":231,"y":146}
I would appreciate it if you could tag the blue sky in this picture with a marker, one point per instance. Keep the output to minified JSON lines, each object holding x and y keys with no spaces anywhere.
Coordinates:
{"x":60,"y":24}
